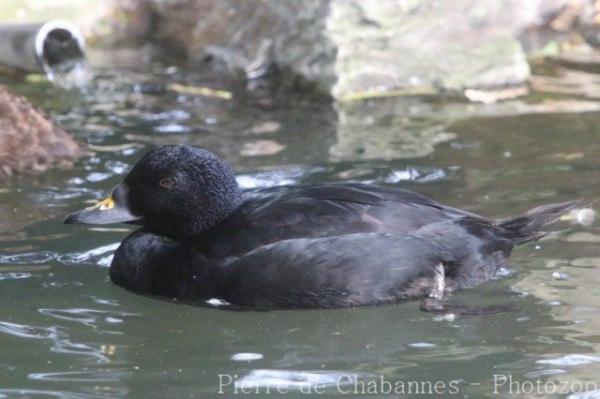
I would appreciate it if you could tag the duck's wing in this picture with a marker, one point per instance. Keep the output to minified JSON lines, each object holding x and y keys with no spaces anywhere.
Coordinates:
{"x":322,"y":210}
{"x":342,"y":271}
{"x":370,"y":268}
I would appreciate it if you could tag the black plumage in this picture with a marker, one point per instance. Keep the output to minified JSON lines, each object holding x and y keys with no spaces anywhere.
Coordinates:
{"x":325,"y":245}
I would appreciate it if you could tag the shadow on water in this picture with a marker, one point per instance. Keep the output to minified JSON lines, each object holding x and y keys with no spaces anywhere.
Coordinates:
{"x":67,"y":332}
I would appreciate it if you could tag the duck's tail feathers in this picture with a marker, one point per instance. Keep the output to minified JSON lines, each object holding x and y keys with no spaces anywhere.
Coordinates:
{"x":530,"y":225}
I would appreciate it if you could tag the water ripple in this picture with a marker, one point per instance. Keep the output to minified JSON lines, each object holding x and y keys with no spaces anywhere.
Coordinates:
{"x":32,"y":393}
{"x":95,"y":255}
{"x":28,"y":257}
{"x":421,"y":175}
{"x":116,"y":167}
{"x":66,"y":346}
{"x":272,"y":178}
{"x":585,"y":395}
{"x":175,"y":114}
{"x":80,"y":376}
{"x":246,"y":357}
{"x":172,"y":128}
{"x":571,"y":360}
{"x":97,"y":176}
{"x":25,"y":331}
{"x":59,"y":337}
{"x":85,"y":316}
{"x":102,"y":301}
{"x":15,"y":276}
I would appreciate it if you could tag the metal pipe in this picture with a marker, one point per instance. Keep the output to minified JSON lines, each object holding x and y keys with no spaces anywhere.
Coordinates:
{"x":41,"y":47}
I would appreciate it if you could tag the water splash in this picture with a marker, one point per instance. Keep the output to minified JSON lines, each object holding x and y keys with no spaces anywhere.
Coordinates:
{"x":70,"y":75}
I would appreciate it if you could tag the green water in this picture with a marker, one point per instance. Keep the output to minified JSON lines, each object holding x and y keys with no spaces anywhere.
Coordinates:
{"x":66,"y":331}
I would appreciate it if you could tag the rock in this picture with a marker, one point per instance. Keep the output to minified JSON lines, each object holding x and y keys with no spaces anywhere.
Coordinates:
{"x":585,"y":20}
{"x":243,"y":35}
{"x":453,"y":46}
{"x":29,"y":141}
{"x":351,"y":48}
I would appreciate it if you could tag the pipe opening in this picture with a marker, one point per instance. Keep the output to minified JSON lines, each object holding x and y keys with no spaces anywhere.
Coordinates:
{"x":60,"y":46}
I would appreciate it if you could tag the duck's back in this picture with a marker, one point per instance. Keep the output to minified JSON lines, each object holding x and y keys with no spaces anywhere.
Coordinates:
{"x":280,"y":213}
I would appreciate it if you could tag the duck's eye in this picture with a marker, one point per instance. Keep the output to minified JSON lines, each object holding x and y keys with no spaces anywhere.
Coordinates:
{"x":167,"y":182}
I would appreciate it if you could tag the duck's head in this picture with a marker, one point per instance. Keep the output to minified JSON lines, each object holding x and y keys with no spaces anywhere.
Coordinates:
{"x":177,"y":190}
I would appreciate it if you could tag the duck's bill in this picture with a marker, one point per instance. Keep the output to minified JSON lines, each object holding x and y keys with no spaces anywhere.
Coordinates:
{"x":113,"y":209}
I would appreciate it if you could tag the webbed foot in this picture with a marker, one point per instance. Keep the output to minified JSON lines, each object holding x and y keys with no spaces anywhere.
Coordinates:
{"x":434,"y":303}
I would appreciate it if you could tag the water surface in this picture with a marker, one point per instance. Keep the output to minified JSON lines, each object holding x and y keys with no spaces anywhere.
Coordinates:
{"x":66,"y":331}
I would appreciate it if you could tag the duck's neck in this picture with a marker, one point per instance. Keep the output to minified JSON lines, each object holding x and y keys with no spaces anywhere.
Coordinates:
{"x":190,"y":222}
{"x":220,"y":208}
